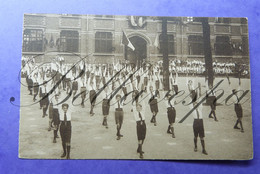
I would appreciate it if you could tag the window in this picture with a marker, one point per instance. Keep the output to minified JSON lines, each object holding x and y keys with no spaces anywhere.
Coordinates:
{"x":193,"y":19}
{"x":69,"y":41}
{"x":103,"y":42}
{"x":189,"y":19}
{"x":195,"y":45}
{"x":245,"y":46}
{"x":223,"y":20}
{"x":33,"y":40}
{"x":104,"y":16}
{"x":170,"y":44}
{"x":223,"y":46}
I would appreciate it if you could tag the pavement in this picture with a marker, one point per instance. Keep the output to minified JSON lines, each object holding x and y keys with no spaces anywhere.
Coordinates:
{"x":91,"y":140}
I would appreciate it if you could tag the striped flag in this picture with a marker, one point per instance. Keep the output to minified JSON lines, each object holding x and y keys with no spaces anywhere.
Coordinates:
{"x":127,"y":42}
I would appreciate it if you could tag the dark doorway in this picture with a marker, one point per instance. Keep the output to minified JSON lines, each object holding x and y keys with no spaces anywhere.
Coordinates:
{"x":139,"y":54}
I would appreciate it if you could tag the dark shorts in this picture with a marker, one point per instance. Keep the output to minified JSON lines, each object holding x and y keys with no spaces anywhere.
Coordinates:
{"x":83,"y":92}
{"x":124,"y":90}
{"x":65,"y":131}
{"x":198,"y":128}
{"x":92,"y":97}
{"x":138,"y":79}
{"x":44,"y":102}
{"x":239,"y":110}
{"x":154,"y":105}
{"x":119,"y":116}
{"x":141,"y":130}
{"x":35,"y":88}
{"x":157,"y":84}
{"x":171,"y":112}
{"x":175,"y":88}
{"x":55,"y":116}
{"x":74,"y":85}
{"x":105,"y":107}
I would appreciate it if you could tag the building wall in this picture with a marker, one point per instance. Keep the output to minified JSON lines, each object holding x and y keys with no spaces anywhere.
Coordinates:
{"x":88,"y":25}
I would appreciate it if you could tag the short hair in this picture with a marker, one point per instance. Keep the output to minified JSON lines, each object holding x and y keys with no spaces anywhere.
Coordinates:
{"x":118,"y":95}
{"x":65,"y":104}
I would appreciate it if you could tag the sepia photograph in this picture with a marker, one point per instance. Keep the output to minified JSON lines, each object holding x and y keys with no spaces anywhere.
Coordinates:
{"x":135,"y":87}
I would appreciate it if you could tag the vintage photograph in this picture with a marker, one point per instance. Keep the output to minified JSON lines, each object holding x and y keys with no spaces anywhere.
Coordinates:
{"x":135,"y":87}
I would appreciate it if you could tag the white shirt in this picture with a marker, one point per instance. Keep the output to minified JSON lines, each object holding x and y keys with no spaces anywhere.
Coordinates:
{"x":197,"y":113}
{"x":136,"y":115}
{"x":169,"y":102}
{"x":82,"y":83}
{"x":62,"y":115}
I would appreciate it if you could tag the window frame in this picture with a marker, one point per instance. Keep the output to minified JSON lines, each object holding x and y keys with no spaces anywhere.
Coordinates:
{"x":69,"y":42}
{"x":103,"y":42}
{"x":33,"y":40}
{"x":193,"y":43}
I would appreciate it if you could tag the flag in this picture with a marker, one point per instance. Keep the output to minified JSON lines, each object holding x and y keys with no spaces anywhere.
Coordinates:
{"x":127,"y":42}
{"x":156,"y":42}
{"x":133,"y":23}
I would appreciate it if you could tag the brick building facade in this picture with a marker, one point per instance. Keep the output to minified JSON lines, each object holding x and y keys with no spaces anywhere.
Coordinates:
{"x":100,"y":37}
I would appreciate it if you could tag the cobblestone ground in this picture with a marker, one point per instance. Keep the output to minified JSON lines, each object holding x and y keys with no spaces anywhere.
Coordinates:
{"x":91,"y":140}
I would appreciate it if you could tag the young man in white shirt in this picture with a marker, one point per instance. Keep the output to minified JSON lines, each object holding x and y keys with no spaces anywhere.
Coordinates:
{"x":238,"y":110}
{"x":65,"y":130}
{"x":54,"y":117}
{"x":198,"y":127}
{"x":140,"y":127}
{"x":153,"y":104}
{"x":119,"y":115}
{"x":171,"y":113}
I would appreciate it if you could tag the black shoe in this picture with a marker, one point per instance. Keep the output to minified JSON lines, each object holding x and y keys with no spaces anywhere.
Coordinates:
{"x":54,"y":141}
{"x":173,"y":136}
{"x":169,"y":132}
{"x":141,"y":156}
{"x":242,"y":130}
{"x":235,"y":127}
{"x":68,"y":157}
{"x":204,"y":152}
{"x":216,"y":120}
{"x":118,"y":138}
{"x":63,"y":155}
{"x":210,"y":116}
